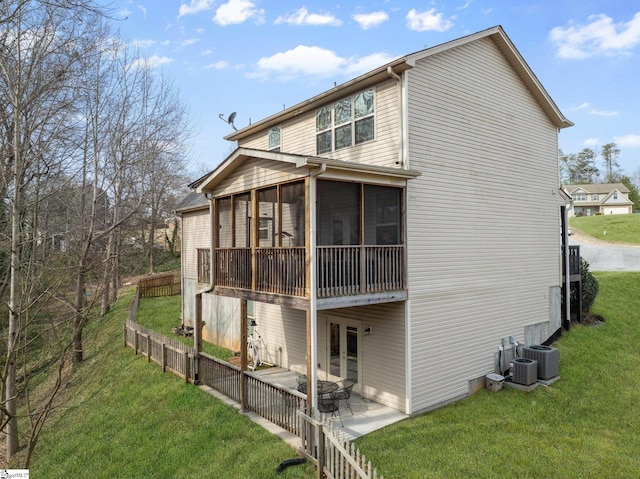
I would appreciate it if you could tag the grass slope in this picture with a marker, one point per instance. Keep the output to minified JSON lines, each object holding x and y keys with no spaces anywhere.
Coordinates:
{"x":584,"y":425}
{"x":612,"y":228}
{"x":131,"y":420}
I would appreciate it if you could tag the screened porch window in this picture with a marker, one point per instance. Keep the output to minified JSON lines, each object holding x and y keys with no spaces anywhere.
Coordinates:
{"x":339,"y":213}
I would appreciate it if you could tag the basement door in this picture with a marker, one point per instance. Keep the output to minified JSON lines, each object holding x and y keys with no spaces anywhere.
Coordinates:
{"x":344,"y":350}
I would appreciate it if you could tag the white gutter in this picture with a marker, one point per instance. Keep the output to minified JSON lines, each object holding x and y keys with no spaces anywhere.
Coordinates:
{"x":312,"y":381}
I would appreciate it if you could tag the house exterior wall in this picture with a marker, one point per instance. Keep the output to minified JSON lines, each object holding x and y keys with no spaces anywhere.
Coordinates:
{"x":299,"y":135}
{"x":196,"y":233}
{"x":480,"y":259}
{"x":256,"y":173}
{"x":283,"y":331}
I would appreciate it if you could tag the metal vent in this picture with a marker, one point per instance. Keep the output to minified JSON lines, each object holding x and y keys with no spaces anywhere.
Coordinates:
{"x":548,"y":360}
{"x":524,"y":371}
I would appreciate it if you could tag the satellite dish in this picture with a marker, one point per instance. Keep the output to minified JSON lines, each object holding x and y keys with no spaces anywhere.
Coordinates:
{"x":229,"y":120}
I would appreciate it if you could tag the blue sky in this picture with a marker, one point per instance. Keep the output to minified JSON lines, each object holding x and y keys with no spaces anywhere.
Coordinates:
{"x":256,"y":57}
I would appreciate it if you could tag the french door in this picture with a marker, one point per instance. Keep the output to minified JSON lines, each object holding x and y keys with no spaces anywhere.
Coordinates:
{"x":344,"y":350}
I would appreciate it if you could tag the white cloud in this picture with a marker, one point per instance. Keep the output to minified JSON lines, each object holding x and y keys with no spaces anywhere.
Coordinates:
{"x":143,"y":43}
{"x":143,"y":9}
{"x":188,"y":42}
{"x":602,"y":112}
{"x":238,"y":11}
{"x":429,"y":20}
{"x":153,"y":61}
{"x":124,"y":13}
{"x":204,"y":53}
{"x":370,"y":20}
{"x":195,"y":6}
{"x":591,"y":142}
{"x":357,"y":66}
{"x":220,"y":65}
{"x":303,"y":17}
{"x":631,"y":140}
{"x":316,"y":61}
{"x":582,"y":106}
{"x":599,"y":36}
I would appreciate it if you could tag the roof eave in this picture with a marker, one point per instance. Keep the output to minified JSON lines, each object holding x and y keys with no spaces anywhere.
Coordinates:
{"x":363,"y":81}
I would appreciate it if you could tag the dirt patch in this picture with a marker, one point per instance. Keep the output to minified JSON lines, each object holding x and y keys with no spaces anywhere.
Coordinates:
{"x":592,"y":320}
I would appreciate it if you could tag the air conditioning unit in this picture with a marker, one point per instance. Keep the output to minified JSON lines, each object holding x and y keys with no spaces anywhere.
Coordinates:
{"x":548,"y":360}
{"x":524,"y":371}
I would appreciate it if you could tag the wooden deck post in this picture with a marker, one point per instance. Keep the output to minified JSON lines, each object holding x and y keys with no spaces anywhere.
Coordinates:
{"x":243,"y":354}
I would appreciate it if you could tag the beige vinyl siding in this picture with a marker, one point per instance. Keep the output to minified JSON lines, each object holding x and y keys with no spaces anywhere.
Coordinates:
{"x":196,"y":233}
{"x":383,"y":351}
{"x":483,"y":222}
{"x":285,"y":336}
{"x":257,"y":173}
{"x":299,"y":135}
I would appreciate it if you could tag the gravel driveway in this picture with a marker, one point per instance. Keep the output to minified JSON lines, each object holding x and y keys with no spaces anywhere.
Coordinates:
{"x":603,"y":256}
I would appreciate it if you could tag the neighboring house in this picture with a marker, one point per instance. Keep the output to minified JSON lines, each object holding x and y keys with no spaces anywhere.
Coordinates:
{"x":372,"y":230}
{"x":604,"y":199}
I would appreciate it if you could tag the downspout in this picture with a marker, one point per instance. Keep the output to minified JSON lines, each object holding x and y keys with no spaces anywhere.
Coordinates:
{"x":401,"y":142}
{"x":312,"y":371}
{"x":197,"y":330}
{"x":567,"y":276}
{"x":402,"y":161}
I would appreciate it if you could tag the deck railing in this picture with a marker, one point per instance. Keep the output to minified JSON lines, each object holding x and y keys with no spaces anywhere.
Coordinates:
{"x":342,"y":270}
{"x":281,"y":271}
{"x":574,"y":260}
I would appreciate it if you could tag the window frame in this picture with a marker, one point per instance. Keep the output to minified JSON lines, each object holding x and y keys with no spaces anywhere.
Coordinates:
{"x":278,"y":146}
{"x":333,"y":133}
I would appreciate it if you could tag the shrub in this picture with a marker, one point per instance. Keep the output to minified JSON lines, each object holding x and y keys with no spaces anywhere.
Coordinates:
{"x":590,"y":286}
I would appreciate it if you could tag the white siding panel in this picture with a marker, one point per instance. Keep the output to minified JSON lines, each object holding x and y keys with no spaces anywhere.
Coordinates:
{"x":196,"y":233}
{"x":483,"y":224}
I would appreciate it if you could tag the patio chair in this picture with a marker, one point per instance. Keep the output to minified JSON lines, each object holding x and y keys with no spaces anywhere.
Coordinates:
{"x":330,"y":405}
{"x":301,"y":379}
{"x":344,"y":392}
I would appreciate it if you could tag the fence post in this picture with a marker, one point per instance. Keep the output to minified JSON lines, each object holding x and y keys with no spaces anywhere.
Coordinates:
{"x":125,"y":334}
{"x":164,"y":358}
{"x":186,"y":367}
{"x":135,"y":342}
{"x":149,"y":348}
{"x":321,"y":458}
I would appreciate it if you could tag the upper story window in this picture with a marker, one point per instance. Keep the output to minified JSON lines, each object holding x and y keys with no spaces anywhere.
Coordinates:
{"x":346,"y":123}
{"x":274,"y":138}
{"x":579,"y":197}
{"x":595,"y":197}
{"x":615,"y":195}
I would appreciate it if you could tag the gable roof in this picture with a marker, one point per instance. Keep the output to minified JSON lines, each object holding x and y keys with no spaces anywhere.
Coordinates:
{"x":497,"y":34}
{"x":602,"y":188}
{"x":208,"y":182}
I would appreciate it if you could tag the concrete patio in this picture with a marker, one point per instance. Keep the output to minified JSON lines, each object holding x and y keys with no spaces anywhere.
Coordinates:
{"x":367,"y":416}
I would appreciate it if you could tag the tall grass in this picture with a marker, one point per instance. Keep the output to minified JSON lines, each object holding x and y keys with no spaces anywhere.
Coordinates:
{"x":587,"y":424}
{"x":125,"y":418}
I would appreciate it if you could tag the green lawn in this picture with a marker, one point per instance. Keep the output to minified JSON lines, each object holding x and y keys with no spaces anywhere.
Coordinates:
{"x":162,"y":314}
{"x":613,"y":228}
{"x":584,"y":425}
{"x":127,"y":419}
{"x":131,"y":420}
